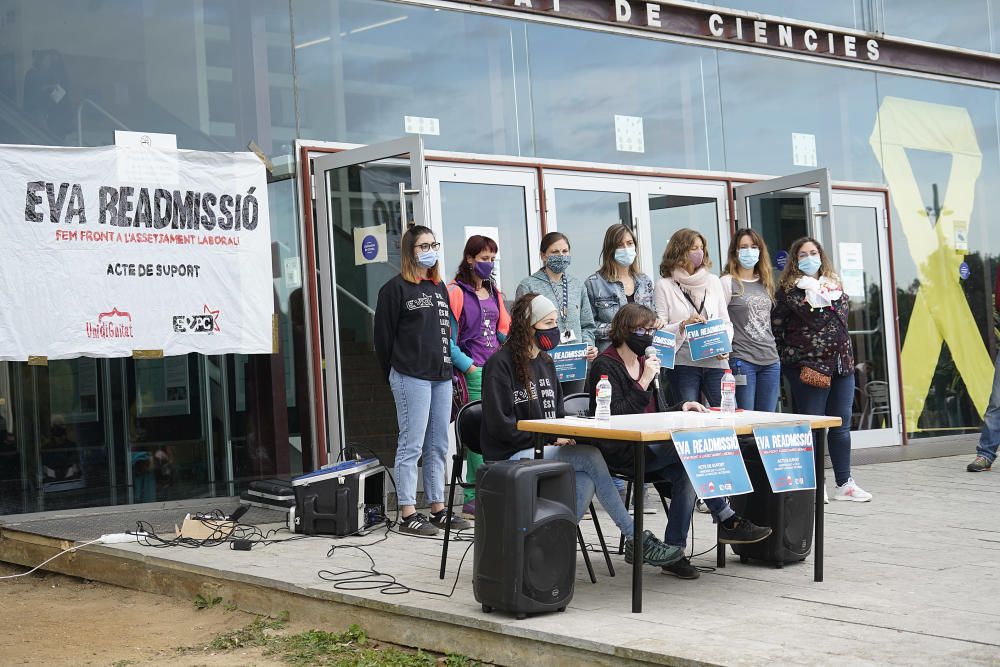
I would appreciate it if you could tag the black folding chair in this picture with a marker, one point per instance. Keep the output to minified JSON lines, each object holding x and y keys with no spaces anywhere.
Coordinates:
{"x":579,"y":404}
{"x":466,"y":437}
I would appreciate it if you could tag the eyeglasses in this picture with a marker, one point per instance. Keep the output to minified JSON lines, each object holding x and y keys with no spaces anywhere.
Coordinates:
{"x":644,"y":332}
{"x":424,"y":247}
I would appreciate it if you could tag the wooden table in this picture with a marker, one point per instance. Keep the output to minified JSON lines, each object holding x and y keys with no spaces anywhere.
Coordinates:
{"x":657,"y":428}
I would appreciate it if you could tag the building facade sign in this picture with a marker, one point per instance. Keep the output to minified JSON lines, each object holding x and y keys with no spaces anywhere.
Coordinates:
{"x":766,"y":33}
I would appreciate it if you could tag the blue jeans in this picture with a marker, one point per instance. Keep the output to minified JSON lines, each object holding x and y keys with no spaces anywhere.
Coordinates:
{"x":423,"y":410}
{"x":836,"y":401}
{"x":687,"y":383}
{"x":666,"y":466}
{"x":592,"y":477}
{"x":989,"y":437}
{"x":761,"y":390}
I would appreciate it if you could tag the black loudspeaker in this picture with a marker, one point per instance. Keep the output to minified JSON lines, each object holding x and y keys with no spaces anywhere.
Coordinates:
{"x":525,"y":559}
{"x":789,"y":514}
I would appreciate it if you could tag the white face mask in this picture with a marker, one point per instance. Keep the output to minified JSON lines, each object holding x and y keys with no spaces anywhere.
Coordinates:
{"x":625,"y":256}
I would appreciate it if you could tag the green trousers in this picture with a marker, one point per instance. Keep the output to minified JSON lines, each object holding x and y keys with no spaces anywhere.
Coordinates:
{"x":473,"y":460}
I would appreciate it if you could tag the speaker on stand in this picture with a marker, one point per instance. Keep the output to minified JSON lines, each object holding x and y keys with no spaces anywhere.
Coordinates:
{"x":525,"y":550}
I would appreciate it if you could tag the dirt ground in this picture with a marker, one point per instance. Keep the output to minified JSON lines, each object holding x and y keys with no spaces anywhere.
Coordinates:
{"x":50,"y":619}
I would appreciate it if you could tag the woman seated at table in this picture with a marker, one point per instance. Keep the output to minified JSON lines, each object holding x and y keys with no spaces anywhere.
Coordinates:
{"x":631,"y":374}
{"x":520,"y":382}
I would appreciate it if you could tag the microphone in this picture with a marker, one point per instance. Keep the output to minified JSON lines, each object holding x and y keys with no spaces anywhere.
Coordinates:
{"x":651,"y":352}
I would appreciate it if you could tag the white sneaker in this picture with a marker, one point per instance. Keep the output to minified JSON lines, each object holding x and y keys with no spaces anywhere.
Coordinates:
{"x":851,"y":491}
{"x":702,"y":507}
{"x":826,"y":496}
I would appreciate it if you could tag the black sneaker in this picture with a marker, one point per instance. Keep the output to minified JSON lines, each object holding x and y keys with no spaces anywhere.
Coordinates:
{"x":682,"y":569}
{"x":742,"y":532}
{"x":440,"y":519}
{"x":654,"y":552}
{"x":417,"y":524}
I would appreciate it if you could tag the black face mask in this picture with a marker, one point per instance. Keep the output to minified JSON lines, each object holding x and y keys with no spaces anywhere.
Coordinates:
{"x":638,"y":343}
{"x":547,"y":339}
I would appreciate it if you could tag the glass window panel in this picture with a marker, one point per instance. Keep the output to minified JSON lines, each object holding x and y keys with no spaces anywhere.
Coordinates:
{"x":668,"y":213}
{"x":583,"y":216}
{"x":363,"y":66}
{"x":500,"y":206}
{"x":964,"y":23}
{"x":767,"y":99}
{"x":943,"y":179}
{"x":847,"y":13}
{"x":180,"y":67}
{"x":581,"y":80}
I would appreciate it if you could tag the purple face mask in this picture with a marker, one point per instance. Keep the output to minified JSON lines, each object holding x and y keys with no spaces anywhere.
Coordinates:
{"x":483,"y":269}
{"x":697,"y":257}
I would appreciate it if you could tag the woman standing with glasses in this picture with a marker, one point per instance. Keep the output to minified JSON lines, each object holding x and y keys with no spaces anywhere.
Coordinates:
{"x":817,"y":357}
{"x":413,"y":345}
{"x":748,"y":286}
{"x":689,"y":294}
{"x":575,"y":318}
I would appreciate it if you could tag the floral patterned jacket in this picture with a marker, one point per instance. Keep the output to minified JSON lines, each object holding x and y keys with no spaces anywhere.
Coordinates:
{"x":816,"y":338}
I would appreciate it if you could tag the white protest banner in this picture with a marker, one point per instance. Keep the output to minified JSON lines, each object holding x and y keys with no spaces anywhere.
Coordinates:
{"x":99,"y":264}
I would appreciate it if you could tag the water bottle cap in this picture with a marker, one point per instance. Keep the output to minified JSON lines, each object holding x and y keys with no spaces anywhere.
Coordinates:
{"x":604,"y":377}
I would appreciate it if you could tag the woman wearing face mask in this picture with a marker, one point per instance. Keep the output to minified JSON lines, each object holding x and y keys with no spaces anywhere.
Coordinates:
{"x":748,"y":286}
{"x":576,"y":320}
{"x":817,"y":358}
{"x":413,"y":345}
{"x":617,"y":282}
{"x":520,"y":382}
{"x":631,"y":376}
{"x":688,"y":294}
{"x":479,"y":324}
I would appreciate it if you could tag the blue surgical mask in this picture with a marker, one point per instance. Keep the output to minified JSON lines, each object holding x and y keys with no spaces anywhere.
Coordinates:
{"x":625,"y":256}
{"x":748,"y":257}
{"x":810,"y":265}
{"x":557,"y":263}
{"x":427,"y":259}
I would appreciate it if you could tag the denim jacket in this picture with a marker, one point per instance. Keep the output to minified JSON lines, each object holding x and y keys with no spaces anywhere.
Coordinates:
{"x":606,"y":298}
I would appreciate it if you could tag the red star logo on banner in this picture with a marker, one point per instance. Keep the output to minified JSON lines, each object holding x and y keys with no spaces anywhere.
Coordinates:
{"x":215,"y":316}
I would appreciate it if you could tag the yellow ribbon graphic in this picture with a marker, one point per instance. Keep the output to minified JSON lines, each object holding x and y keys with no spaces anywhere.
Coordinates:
{"x":941,"y":312}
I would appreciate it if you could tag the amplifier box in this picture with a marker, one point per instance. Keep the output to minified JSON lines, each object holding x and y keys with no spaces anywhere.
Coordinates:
{"x":344,"y":499}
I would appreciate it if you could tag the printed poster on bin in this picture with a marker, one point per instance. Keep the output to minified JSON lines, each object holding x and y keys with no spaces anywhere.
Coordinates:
{"x":665,"y":344}
{"x":708,"y":339}
{"x":713,"y":462}
{"x":787,"y":454}
{"x":570,"y":362}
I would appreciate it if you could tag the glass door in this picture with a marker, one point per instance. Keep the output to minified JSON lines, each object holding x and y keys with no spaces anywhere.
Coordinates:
{"x":671,"y":205}
{"x":852,"y":228}
{"x":583,"y":207}
{"x":499,"y":203}
{"x":365,"y":199}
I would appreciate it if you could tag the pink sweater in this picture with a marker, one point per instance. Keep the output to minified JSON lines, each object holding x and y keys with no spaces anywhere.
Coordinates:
{"x":672,"y":309}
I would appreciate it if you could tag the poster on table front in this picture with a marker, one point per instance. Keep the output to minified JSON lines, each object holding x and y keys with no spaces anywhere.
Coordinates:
{"x":787,"y":454}
{"x":114,"y":249}
{"x":708,"y":339}
{"x":713,"y":461}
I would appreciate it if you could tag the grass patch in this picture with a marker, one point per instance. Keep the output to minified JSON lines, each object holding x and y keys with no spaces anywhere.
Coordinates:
{"x":317,"y":648}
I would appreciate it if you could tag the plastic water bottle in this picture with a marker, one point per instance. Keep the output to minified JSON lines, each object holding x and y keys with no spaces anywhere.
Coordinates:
{"x":728,"y":392}
{"x":603,"y":399}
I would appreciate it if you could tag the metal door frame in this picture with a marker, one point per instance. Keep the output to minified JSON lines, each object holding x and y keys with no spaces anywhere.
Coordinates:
{"x":486,"y":175}
{"x":411,"y":146}
{"x":820,"y":221}
{"x":708,"y":189}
